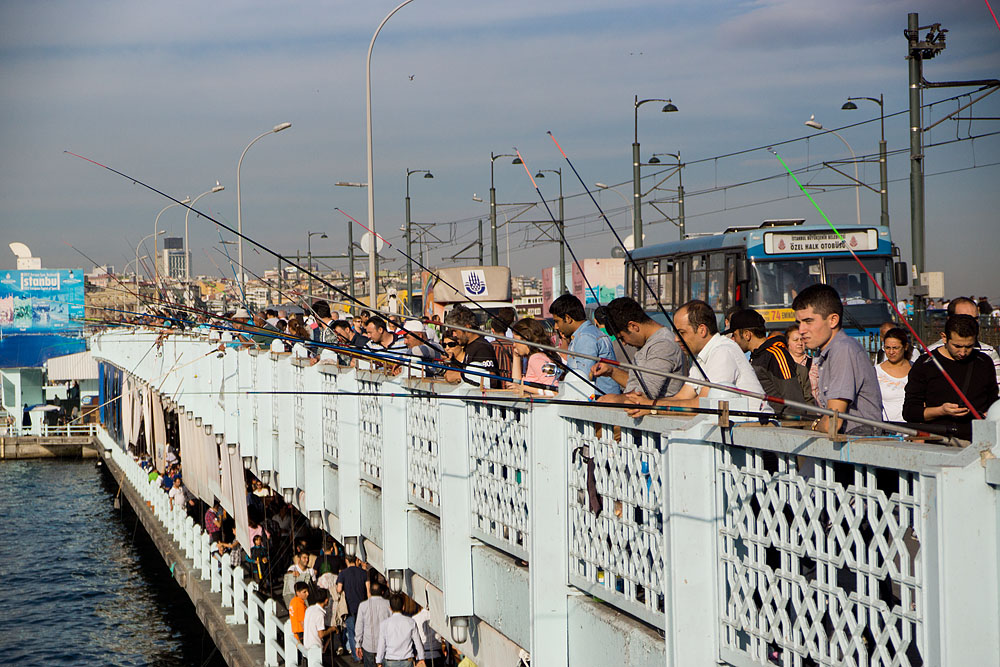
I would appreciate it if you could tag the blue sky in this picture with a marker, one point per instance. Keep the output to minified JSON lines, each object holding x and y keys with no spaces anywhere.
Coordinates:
{"x":171,"y":93}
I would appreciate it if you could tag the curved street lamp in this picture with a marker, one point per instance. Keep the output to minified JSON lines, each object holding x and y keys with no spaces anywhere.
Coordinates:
{"x":218,"y":187}
{"x":495,"y":250}
{"x":372,"y":268}
{"x":239,"y":200}
{"x":562,"y":228}
{"x":309,"y":252}
{"x":139,"y":245}
{"x":816,"y":125}
{"x":883,"y":164}
{"x":669,"y":107}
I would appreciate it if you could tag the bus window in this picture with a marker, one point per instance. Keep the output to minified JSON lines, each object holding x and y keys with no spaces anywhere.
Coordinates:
{"x":649,"y":296}
{"x":716,"y":279}
{"x":730,"y":281}
{"x":851,"y":282}
{"x":778,"y":283}
{"x":680,"y":281}
{"x":666,"y":283}
{"x":699,"y":267}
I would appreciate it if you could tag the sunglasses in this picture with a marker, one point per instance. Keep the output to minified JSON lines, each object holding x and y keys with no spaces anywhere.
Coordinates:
{"x":452,"y":344}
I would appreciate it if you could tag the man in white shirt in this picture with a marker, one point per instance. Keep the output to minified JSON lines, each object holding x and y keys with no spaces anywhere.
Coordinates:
{"x":720,"y":357}
{"x":398,"y":638}
{"x":314,"y":629}
{"x":178,"y":496}
{"x":432,"y":641}
{"x":371,"y":613}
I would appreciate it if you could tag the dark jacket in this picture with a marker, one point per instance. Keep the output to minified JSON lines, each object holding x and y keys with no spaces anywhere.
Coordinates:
{"x":778,"y":373}
{"x":926,"y":387}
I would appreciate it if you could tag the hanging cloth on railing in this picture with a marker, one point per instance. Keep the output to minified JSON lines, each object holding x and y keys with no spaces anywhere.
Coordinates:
{"x":147,"y":426}
{"x":159,"y":431}
{"x":593,"y":497}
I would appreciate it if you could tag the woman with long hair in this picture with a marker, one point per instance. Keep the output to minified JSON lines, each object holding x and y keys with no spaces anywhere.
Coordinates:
{"x":893,"y":372}
{"x":542,"y":367}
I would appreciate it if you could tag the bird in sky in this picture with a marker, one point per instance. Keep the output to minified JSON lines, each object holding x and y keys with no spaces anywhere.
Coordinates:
{"x":411,"y":76}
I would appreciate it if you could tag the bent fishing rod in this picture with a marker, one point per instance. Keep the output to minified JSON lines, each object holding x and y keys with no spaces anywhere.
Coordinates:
{"x":473,"y":301}
{"x":628,"y":255}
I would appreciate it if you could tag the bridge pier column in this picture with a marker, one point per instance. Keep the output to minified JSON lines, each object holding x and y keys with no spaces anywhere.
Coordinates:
{"x":394,"y":485}
{"x":456,"y":510}
{"x":349,"y":442}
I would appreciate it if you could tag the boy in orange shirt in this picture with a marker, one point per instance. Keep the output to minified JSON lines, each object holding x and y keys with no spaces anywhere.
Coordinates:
{"x":297,"y":608}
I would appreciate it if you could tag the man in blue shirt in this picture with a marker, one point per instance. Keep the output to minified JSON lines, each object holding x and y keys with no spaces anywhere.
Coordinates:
{"x":584,"y":338}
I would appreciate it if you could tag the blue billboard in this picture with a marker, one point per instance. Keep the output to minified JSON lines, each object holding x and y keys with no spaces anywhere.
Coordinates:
{"x":41,"y":315}
{"x":41,"y":301}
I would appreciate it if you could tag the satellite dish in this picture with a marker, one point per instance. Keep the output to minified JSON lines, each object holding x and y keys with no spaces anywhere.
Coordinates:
{"x":629,"y":242}
{"x":20,"y":250}
{"x":366,"y":243}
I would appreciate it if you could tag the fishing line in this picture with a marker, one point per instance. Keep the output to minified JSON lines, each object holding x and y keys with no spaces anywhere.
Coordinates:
{"x":885,"y":296}
{"x":593,"y":292}
{"x":635,"y":266}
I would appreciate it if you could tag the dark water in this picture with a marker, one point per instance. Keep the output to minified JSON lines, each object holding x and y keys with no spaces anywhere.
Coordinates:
{"x":80,"y":583}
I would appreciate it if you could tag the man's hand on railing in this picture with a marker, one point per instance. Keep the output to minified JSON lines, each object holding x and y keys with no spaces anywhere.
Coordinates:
{"x":638,"y":399}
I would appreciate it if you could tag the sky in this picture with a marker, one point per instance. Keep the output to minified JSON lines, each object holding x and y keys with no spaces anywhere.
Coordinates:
{"x":172,"y":93}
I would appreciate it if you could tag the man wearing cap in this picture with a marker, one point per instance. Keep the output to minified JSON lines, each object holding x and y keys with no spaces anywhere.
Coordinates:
{"x":415,"y":338}
{"x":778,"y":373}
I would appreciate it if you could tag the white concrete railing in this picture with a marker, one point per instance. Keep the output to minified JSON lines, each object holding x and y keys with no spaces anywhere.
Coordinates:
{"x":281,"y":647}
{"x":743,"y":545}
{"x":48,"y":431}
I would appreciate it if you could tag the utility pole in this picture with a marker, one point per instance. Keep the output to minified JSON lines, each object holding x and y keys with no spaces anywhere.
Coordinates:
{"x":916,"y":66}
{"x":350,"y":254}
{"x":480,"y":242}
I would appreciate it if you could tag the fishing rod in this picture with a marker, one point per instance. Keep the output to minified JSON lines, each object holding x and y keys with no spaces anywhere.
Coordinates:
{"x":473,"y":301}
{"x":228,"y":228}
{"x":885,"y":296}
{"x":593,"y":292}
{"x":628,"y":255}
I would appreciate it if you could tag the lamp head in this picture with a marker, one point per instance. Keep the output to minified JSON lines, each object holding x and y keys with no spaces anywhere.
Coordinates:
{"x":539,"y":175}
{"x":516,"y":160}
{"x":849,"y":106}
{"x":428,"y":175}
{"x":813,"y":123}
{"x":281,"y":126}
{"x":654,"y":160}
{"x":602,"y":186}
{"x":324,"y":236}
{"x":669,"y":107}
{"x":219,"y":187}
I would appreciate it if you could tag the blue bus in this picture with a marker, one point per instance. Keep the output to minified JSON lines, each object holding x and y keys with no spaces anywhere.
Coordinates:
{"x":766,"y":266}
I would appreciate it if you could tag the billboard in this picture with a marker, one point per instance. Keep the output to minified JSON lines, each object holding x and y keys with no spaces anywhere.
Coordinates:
{"x":41,"y":302}
{"x":605,"y":275}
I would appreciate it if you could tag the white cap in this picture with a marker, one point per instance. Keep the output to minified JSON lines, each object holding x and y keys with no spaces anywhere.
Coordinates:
{"x":414,"y":326}
{"x":241,"y":313}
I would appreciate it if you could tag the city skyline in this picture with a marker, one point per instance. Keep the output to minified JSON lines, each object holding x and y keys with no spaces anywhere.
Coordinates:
{"x":172,"y":94}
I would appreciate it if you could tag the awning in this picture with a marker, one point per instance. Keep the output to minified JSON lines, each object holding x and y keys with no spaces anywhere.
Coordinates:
{"x":79,"y":366}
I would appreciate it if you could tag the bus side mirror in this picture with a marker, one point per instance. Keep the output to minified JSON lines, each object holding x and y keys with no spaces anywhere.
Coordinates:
{"x":902,"y":274}
{"x":743,"y":270}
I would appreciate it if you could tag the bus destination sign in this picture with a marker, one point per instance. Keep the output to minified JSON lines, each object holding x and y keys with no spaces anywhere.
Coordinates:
{"x":790,"y":243}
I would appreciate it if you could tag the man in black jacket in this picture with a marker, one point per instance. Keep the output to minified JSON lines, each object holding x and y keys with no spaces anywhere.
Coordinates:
{"x":778,"y":373}
{"x":479,"y":354}
{"x":929,"y":396}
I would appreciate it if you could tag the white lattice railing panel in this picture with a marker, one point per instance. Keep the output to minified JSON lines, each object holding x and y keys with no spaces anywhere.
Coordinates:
{"x":819,"y":565}
{"x":423,"y":480}
{"x":371,"y":430}
{"x":298,"y":382}
{"x":616,"y":517}
{"x":275,"y":396}
{"x":499,"y":453}
{"x":331,"y":449}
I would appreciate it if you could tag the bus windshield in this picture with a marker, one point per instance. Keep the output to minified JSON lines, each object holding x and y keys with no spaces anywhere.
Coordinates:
{"x":777,"y":283}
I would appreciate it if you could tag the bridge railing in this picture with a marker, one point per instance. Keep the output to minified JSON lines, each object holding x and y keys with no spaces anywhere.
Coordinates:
{"x":743,"y":544}
{"x":259,"y":614}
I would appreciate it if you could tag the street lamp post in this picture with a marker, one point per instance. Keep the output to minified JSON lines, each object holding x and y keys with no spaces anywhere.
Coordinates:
{"x":636,"y":176}
{"x":309,"y":252}
{"x":562,"y":227}
{"x":372,"y":268}
{"x":495,"y":250}
{"x":239,"y":199}
{"x":187,"y":248}
{"x":156,"y":222}
{"x":883,"y":165}
{"x":409,"y":252}
{"x":812,"y":122}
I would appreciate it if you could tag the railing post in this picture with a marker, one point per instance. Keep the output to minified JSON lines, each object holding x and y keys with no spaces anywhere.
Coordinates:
{"x":240,"y":594}
{"x":548,"y":511}
{"x":227,"y":583}
{"x":253,"y":614}
{"x":456,"y":510}
{"x":270,"y":631}
{"x":291,"y":645}
{"x":349,"y":430}
{"x":394,"y":485}
{"x":690,"y":547}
